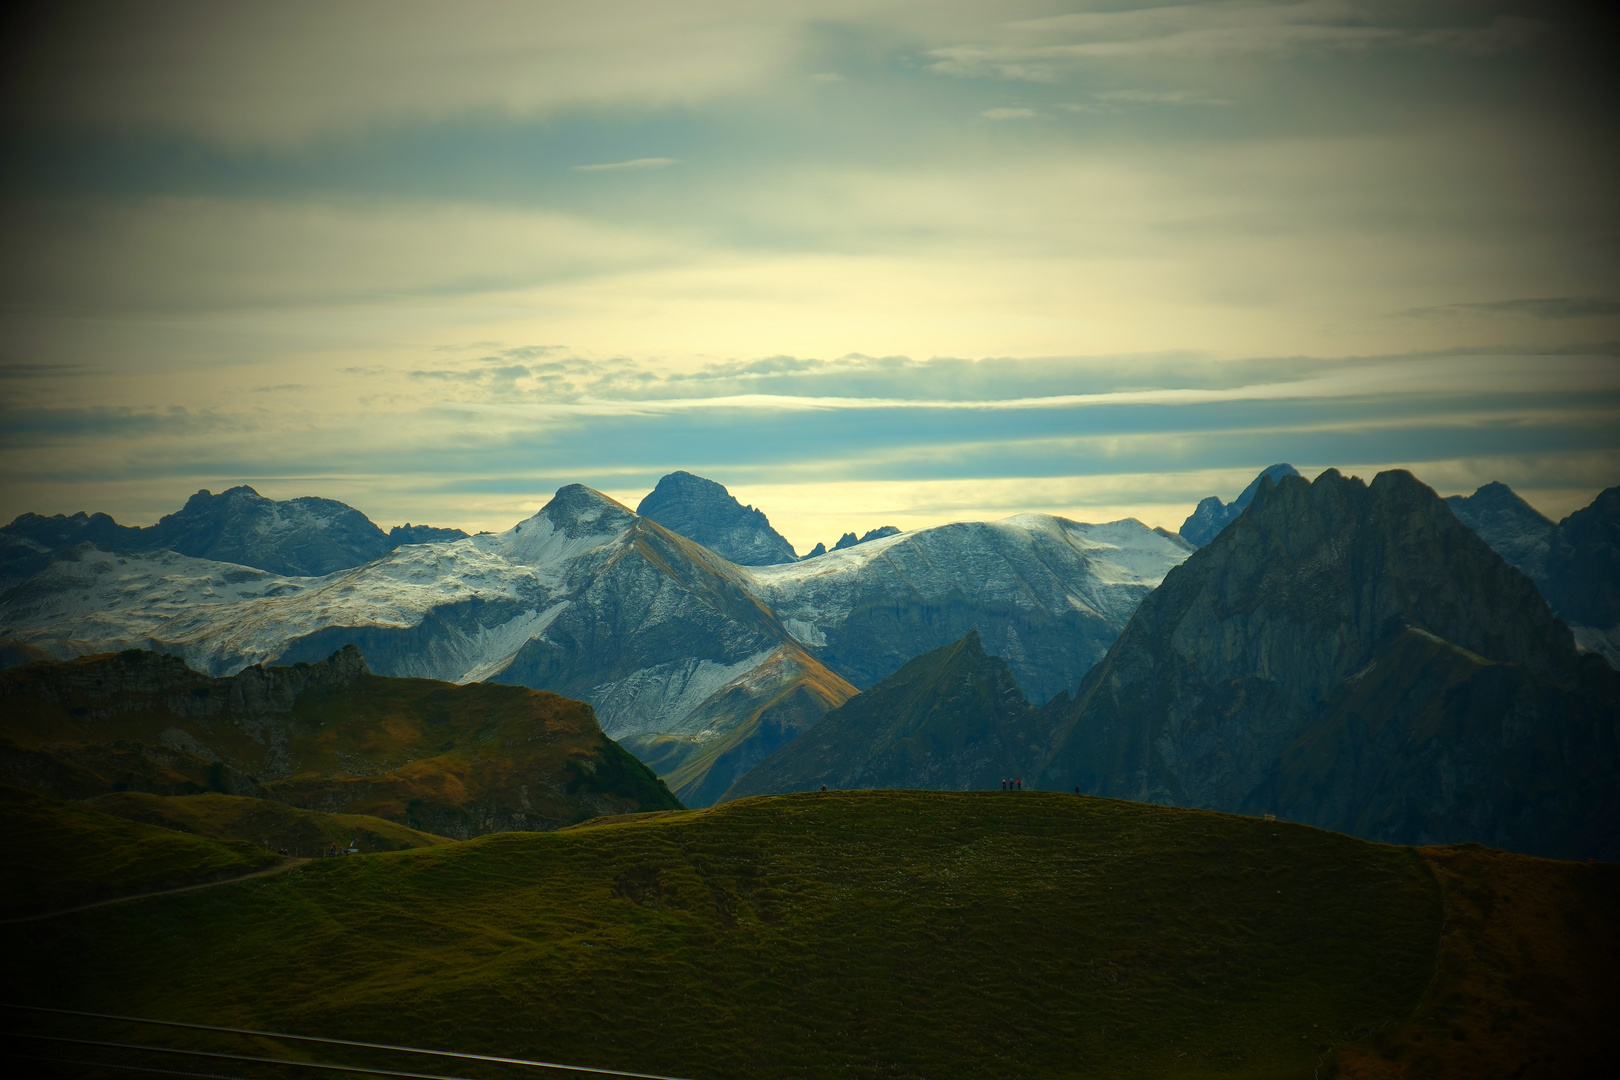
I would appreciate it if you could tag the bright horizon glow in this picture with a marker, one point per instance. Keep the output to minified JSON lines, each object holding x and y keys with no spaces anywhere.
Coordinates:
{"x":898,"y":264}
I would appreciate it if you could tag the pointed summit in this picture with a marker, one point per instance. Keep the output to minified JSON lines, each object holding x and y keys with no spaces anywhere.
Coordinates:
{"x":581,"y":511}
{"x":952,"y":719}
{"x":705,"y":511}
{"x":1212,"y":515}
{"x":1352,"y":656}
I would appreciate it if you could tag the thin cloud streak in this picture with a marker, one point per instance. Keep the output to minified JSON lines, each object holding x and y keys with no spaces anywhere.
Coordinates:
{"x":632,"y":165}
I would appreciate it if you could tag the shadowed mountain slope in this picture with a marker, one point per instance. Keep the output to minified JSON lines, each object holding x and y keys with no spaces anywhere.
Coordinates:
{"x":451,"y":760}
{"x":1211,"y":515}
{"x":706,"y":512}
{"x":951,"y":719}
{"x":1355,"y":658}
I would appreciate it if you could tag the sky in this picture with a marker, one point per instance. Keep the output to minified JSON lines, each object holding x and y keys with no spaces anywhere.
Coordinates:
{"x":867,"y":263}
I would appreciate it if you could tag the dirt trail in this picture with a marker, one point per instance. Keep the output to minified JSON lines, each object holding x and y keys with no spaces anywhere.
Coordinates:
{"x":289,"y":864}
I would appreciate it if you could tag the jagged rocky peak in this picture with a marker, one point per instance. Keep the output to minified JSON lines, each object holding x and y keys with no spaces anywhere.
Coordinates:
{"x":577,"y":510}
{"x":1352,"y":656}
{"x":849,"y":539}
{"x":1212,"y":515}
{"x":400,"y":535}
{"x":706,"y":512}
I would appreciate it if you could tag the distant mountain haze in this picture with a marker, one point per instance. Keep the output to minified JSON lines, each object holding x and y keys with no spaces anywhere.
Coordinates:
{"x":1354,"y":657}
{"x":305,"y":537}
{"x":1575,"y":563}
{"x":706,"y":512}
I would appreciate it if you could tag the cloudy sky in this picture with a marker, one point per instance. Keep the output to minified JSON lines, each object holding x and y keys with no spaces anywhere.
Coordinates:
{"x":865,"y":263}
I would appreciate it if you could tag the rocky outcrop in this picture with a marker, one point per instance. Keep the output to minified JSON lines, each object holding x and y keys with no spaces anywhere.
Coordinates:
{"x":950,"y":720}
{"x":706,"y":512}
{"x":849,"y":539}
{"x":1211,"y":515}
{"x":1353,"y":657}
{"x":421,"y":534}
{"x":330,"y":736}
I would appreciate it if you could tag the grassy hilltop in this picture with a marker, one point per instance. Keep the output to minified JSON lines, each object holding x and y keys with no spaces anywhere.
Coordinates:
{"x":881,"y":934}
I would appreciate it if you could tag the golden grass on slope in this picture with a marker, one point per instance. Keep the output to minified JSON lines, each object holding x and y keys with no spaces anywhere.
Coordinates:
{"x":63,"y":854}
{"x":273,"y":825}
{"x":849,"y":934}
{"x":1528,"y":980}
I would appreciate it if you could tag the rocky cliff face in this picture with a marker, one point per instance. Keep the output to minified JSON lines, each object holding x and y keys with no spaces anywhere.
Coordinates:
{"x":328,"y":736}
{"x":1575,"y":563}
{"x":706,"y":512}
{"x":1211,"y":515}
{"x":952,"y":719}
{"x":306,"y":537}
{"x":1352,"y":656}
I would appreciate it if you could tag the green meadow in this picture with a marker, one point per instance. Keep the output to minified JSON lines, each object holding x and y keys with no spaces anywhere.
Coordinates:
{"x":866,"y":934}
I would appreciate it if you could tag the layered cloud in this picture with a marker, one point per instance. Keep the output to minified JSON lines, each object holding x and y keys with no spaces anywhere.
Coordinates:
{"x":915,"y":260}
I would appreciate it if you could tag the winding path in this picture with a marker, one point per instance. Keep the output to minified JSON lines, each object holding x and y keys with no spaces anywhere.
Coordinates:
{"x":289,"y":864}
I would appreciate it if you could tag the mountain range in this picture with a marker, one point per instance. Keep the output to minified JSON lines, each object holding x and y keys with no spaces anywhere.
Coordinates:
{"x":701,"y":666}
{"x":304,"y":537}
{"x":1344,"y":655}
{"x":692,"y":661}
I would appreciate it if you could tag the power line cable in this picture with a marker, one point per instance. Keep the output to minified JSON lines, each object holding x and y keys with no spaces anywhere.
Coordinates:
{"x":346,"y":1042}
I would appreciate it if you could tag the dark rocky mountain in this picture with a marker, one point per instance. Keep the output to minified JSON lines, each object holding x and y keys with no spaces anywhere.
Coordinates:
{"x":407,"y":533}
{"x":706,"y":512}
{"x":952,"y":719}
{"x":1575,"y":563}
{"x":1212,"y":515}
{"x":305,"y":537}
{"x":819,"y":549}
{"x":1354,"y":657}
{"x":458,"y":761}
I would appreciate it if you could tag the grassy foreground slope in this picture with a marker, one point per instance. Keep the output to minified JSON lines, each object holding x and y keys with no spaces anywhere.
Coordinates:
{"x":882,"y":934}
{"x":63,"y":854}
{"x":304,"y":833}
